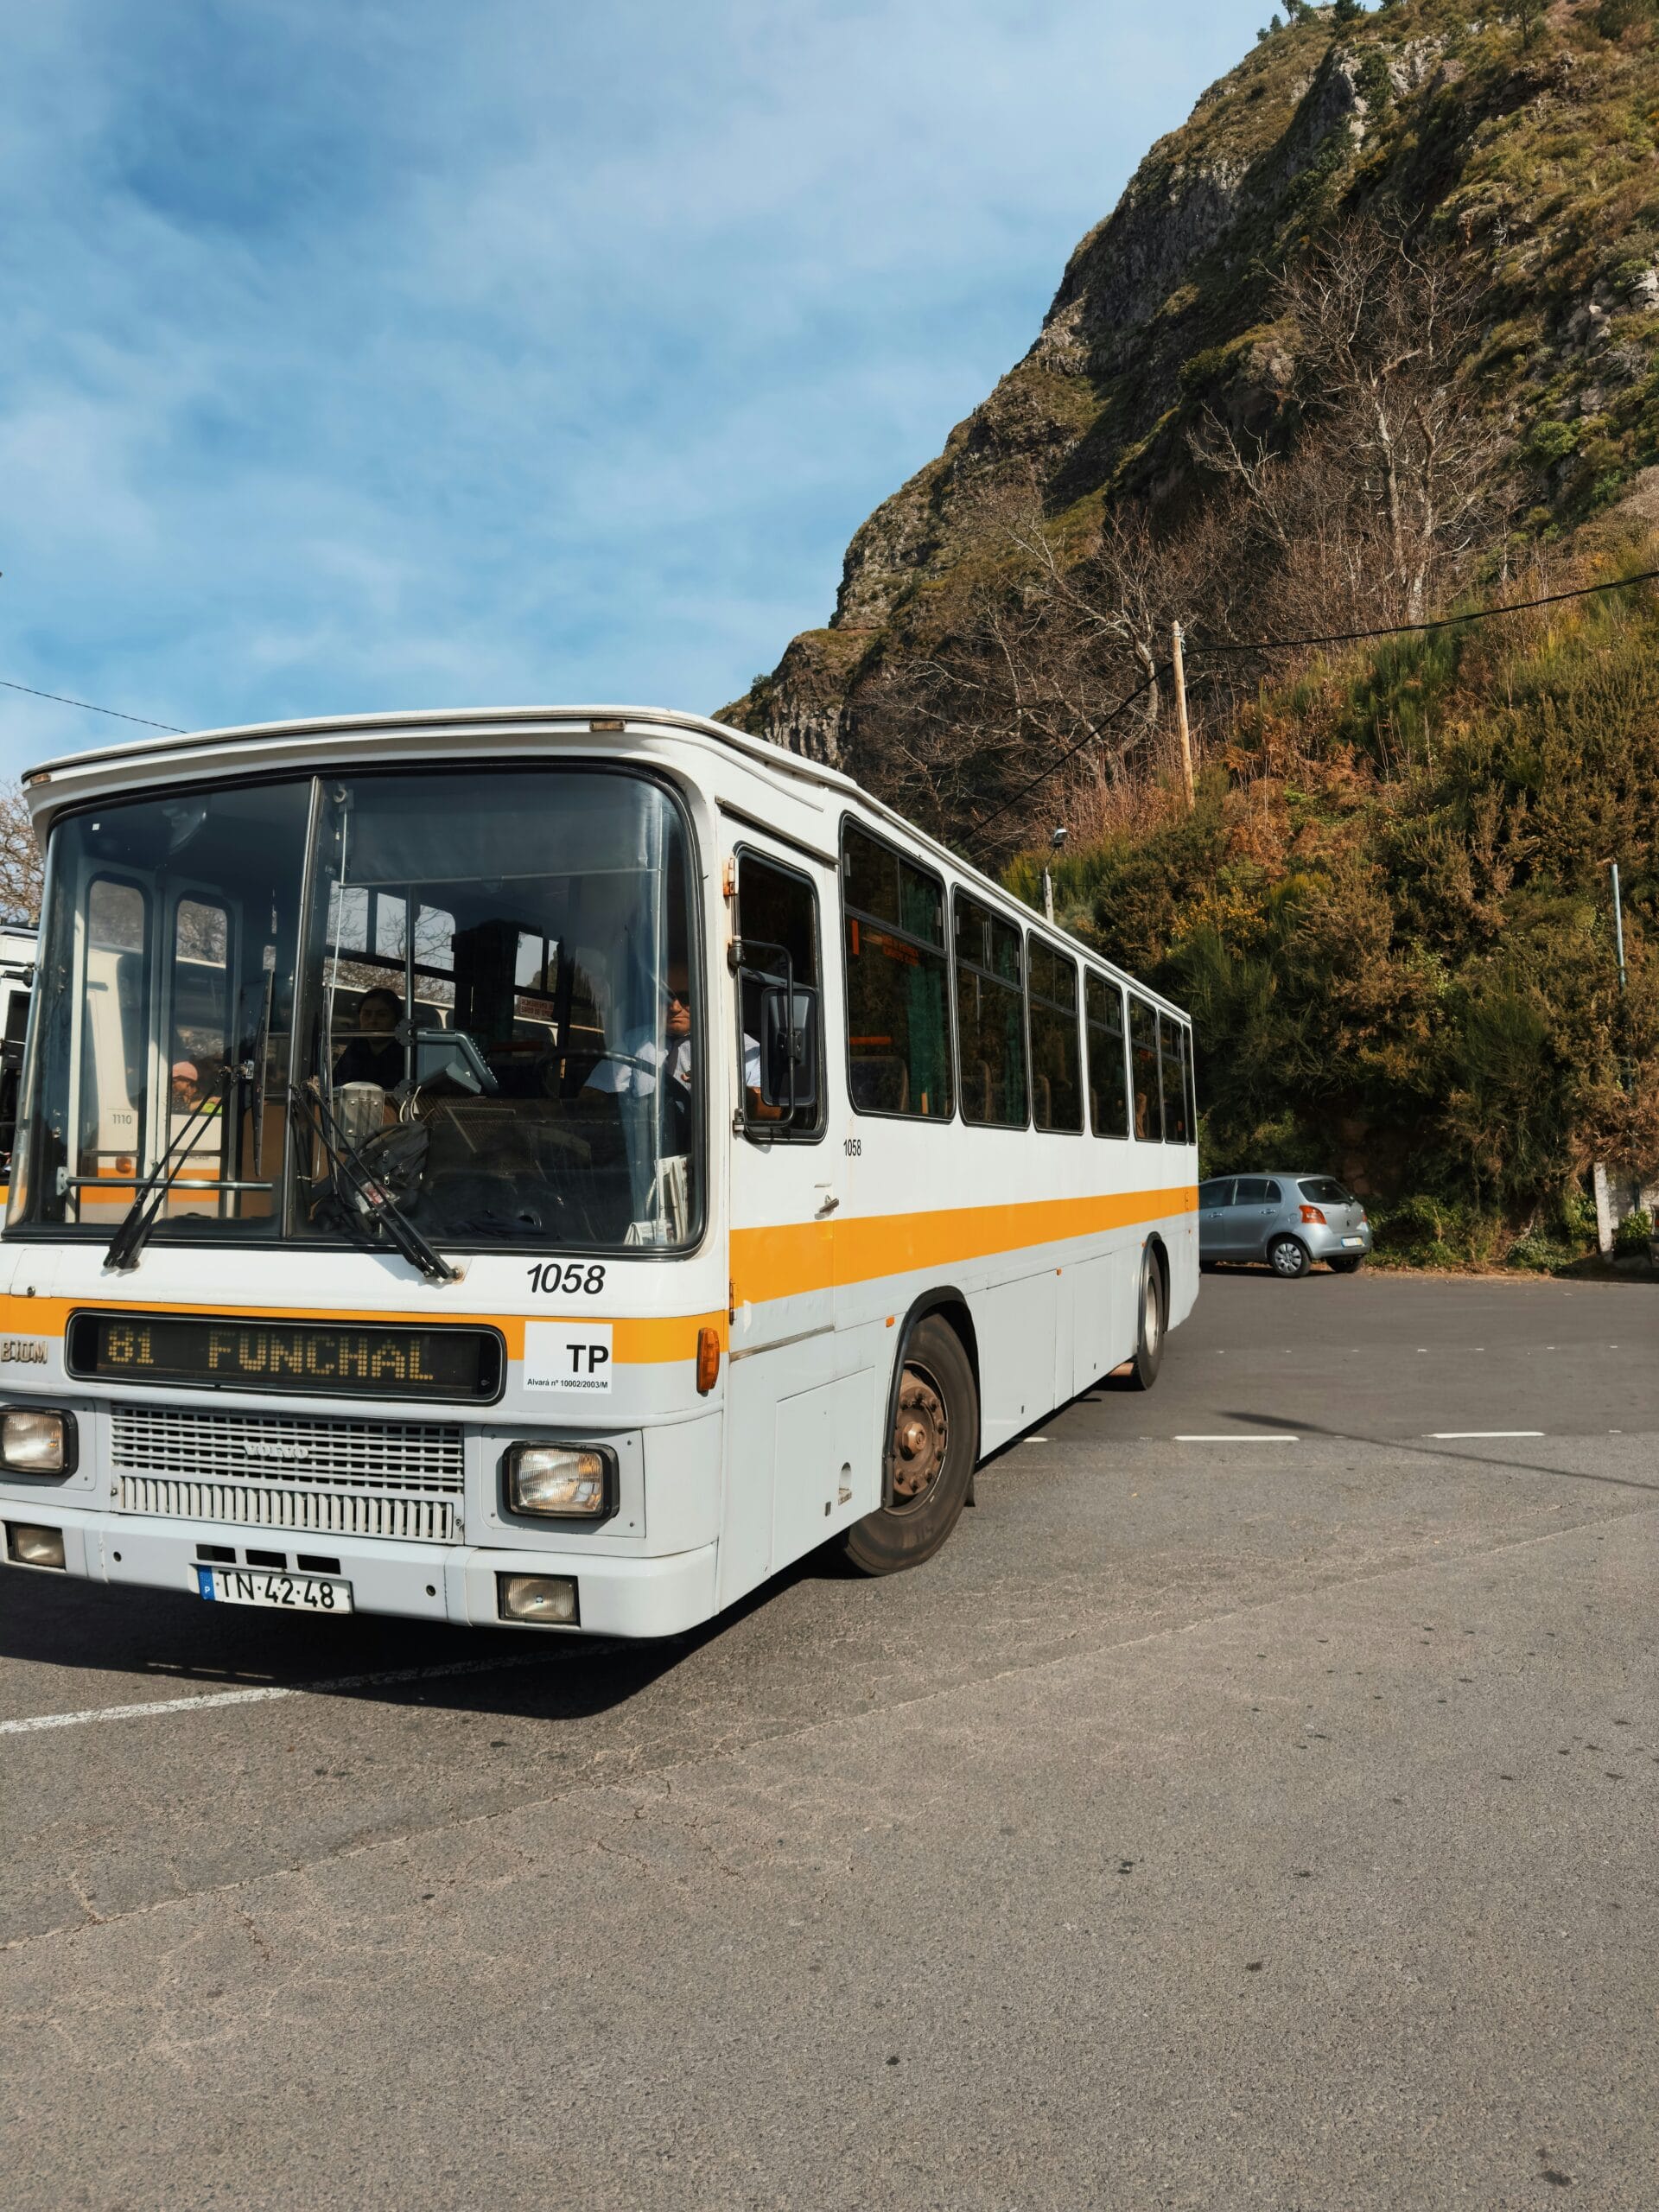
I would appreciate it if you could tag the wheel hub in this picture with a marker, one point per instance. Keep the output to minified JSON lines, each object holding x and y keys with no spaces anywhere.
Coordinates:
{"x":919,"y":1437}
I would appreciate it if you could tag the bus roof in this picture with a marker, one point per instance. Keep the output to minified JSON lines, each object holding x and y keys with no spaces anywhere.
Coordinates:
{"x":82,"y":768}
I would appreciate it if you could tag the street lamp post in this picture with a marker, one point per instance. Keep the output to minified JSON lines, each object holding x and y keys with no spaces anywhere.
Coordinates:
{"x":1618,"y":927}
{"x":1056,"y":842}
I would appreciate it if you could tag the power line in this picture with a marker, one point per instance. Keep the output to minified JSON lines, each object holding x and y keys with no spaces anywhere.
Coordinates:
{"x":1087,"y":738}
{"x":86,"y":706}
{"x":1441,"y":622}
{"x":1291,"y":644}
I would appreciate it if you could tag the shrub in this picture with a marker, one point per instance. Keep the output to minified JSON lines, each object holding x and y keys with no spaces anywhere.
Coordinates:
{"x":1633,"y":1232}
{"x":1614,"y":17}
{"x":1535,"y":1253}
{"x":1550,"y":442}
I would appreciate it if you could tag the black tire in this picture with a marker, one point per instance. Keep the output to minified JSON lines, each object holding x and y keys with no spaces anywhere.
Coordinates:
{"x":1151,"y":1325}
{"x":1287,"y":1257}
{"x":1206,"y":1267}
{"x":936,"y":1397}
{"x":1346,"y":1263}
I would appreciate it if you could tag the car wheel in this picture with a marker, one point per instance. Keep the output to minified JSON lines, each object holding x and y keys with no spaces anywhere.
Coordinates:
{"x":1289,"y":1257}
{"x":1206,"y":1267}
{"x":932,"y":1455}
{"x":1345,"y":1263}
{"x":1149,"y":1327}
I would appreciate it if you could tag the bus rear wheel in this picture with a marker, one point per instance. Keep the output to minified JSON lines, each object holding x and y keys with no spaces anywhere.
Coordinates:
{"x":932,"y":1453}
{"x":1149,"y":1331}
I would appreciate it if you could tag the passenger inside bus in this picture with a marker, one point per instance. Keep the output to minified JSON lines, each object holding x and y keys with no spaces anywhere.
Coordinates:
{"x":374,"y":1055}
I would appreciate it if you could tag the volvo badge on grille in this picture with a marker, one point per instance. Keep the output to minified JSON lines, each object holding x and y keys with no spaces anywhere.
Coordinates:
{"x":258,"y":1447}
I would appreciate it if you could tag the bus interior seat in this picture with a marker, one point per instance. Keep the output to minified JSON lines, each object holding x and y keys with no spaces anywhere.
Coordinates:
{"x":879,"y":1084}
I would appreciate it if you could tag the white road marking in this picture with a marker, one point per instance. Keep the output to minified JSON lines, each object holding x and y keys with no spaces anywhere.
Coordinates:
{"x":1036,"y":1440}
{"x":215,"y":1700}
{"x":1240,"y":1436}
{"x":1446,"y":1435}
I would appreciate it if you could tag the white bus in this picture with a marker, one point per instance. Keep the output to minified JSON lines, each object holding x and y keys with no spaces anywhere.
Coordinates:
{"x":550,"y":1167}
{"x":16,"y":977}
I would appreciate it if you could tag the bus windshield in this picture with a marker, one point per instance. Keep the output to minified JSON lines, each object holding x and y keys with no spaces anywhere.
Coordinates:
{"x":476,"y":982}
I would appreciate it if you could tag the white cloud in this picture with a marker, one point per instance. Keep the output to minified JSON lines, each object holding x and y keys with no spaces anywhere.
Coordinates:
{"x":399,"y":353}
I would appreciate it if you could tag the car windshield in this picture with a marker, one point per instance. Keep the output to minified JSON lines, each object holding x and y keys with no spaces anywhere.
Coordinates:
{"x":488,"y":999}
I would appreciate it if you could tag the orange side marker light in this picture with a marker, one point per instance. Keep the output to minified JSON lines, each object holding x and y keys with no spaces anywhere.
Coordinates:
{"x":708,"y":1360}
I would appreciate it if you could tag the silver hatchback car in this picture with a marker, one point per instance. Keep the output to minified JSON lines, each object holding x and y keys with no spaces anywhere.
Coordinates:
{"x":1289,"y":1221}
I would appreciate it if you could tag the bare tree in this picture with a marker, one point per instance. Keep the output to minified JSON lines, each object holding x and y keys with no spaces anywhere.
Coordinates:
{"x":1043,"y":690}
{"x":1380,"y":495}
{"x":1050,"y":667}
{"x":21,"y":865}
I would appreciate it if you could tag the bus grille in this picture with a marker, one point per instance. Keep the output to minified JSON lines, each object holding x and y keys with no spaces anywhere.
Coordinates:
{"x":274,"y":1470}
{"x":314,"y":1512}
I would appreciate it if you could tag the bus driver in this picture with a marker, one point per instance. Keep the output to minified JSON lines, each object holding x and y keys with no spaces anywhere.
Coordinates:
{"x":635,"y":1063}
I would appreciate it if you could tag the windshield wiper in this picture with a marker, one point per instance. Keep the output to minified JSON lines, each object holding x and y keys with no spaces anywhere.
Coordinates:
{"x":372,"y":1202}
{"x":142,"y":1216}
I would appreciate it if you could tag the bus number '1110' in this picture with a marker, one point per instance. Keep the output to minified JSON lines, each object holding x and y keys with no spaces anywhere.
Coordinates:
{"x":571,"y":1281}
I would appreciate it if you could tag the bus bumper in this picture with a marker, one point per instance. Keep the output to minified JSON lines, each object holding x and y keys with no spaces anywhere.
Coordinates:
{"x":454,"y":1583}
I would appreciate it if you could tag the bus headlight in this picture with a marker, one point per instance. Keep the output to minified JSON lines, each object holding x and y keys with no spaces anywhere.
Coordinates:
{"x":548,"y":1599}
{"x":561,"y":1482}
{"x":35,"y":1442}
{"x":35,"y":1547}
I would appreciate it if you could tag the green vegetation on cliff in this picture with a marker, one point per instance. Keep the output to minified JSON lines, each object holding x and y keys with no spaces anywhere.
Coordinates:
{"x":1390,"y":913}
{"x":1374,"y":336}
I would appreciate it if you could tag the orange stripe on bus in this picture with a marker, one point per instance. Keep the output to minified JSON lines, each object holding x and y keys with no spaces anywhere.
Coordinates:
{"x":801,"y":1256}
{"x":766,"y":1263}
{"x":643,"y":1341}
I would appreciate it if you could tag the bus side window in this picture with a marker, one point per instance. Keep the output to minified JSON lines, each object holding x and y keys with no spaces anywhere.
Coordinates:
{"x":1169,"y":1037}
{"x":1191,"y":1075}
{"x":1057,"y":1095}
{"x":898,"y":988}
{"x":1143,"y":1063}
{"x":1108,"y":1089}
{"x":778,"y":923}
{"x":990,"y":1017}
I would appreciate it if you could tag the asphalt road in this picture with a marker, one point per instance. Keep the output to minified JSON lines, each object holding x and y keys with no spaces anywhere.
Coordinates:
{"x":1237,"y":1822}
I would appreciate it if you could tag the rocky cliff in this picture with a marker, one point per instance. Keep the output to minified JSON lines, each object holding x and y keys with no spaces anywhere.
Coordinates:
{"x":1525,"y":140}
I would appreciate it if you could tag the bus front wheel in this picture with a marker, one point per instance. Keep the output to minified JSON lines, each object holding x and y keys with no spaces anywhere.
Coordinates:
{"x":932,"y":1453}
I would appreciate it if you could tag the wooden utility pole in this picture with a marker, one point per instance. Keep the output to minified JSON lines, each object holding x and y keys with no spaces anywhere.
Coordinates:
{"x":1179,"y":670}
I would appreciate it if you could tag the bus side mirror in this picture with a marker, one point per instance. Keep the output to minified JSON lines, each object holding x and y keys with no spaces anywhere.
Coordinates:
{"x":789,"y":1046}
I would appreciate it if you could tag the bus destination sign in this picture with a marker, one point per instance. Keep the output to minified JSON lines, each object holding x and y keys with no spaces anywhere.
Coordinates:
{"x":316,"y":1359}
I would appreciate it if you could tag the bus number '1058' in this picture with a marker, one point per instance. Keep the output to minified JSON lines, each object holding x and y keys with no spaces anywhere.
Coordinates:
{"x":571,"y":1281}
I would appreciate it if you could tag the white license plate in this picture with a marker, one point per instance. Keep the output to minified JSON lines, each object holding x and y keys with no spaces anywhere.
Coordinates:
{"x":1354,"y":1243}
{"x":261,"y":1585}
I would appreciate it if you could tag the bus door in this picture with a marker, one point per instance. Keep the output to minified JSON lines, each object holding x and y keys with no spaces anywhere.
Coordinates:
{"x":795,"y":1429}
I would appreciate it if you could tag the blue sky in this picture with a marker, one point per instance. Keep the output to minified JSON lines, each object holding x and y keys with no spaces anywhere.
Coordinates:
{"x":384,"y":355}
